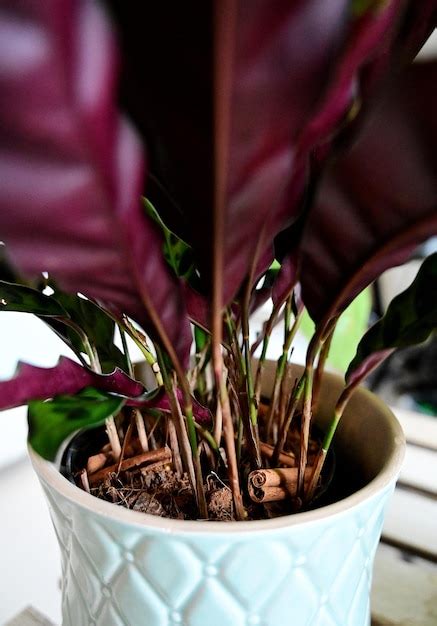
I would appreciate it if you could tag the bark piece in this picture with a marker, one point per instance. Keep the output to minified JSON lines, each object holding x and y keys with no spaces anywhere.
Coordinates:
{"x":286,"y":458}
{"x":272,"y":485}
{"x":162,"y":454}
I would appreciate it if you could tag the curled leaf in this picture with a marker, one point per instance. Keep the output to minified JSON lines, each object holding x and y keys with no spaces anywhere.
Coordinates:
{"x":410,"y":318}
{"x":379,"y":200}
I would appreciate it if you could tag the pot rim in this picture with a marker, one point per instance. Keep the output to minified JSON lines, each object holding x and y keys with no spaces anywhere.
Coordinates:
{"x":49,"y":474}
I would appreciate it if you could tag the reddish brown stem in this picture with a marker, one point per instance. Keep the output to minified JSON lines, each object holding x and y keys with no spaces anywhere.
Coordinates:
{"x":225,"y":24}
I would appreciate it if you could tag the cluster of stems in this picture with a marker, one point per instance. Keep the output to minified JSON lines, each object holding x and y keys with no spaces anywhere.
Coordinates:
{"x":249,"y":433}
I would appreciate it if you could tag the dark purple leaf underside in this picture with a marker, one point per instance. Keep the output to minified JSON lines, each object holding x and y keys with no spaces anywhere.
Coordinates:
{"x":285,"y":280}
{"x":72,"y":170}
{"x":283,"y":55}
{"x":364,"y":44}
{"x":281,"y":60}
{"x":379,"y":201}
{"x":295,"y":97}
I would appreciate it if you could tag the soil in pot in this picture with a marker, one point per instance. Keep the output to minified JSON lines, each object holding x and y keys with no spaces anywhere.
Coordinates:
{"x":150,"y":481}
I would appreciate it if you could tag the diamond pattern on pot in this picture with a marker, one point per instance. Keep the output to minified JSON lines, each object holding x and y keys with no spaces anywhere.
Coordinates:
{"x":180,"y":574}
{"x":253,"y":586}
{"x":315,"y":574}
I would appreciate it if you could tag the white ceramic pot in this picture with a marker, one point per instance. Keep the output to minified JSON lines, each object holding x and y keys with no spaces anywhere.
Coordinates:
{"x":122,"y":567}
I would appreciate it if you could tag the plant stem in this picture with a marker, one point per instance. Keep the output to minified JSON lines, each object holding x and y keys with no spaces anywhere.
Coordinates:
{"x":174,"y":445}
{"x":253,"y":409}
{"x":114,"y":440}
{"x":285,"y":393}
{"x":305,"y":427}
{"x":208,"y":437}
{"x":312,"y":351}
{"x":240,"y":432}
{"x":289,"y":334}
{"x":338,"y":414}
{"x":320,"y":461}
{"x":242,"y":362}
{"x":260,"y":369}
{"x":225,"y":19}
{"x":284,"y":427}
{"x":141,"y":429}
{"x":188,"y":437}
{"x":130,"y":368}
{"x":198,"y":380}
{"x":141,"y":341}
{"x":233,"y":338}
{"x":111,"y":428}
{"x":324,"y":353}
{"x":228,"y":429}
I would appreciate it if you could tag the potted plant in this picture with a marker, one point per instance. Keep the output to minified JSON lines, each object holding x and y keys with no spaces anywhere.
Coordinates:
{"x":270,"y":173}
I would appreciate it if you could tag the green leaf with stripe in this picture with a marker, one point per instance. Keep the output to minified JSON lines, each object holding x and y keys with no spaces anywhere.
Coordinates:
{"x":410,"y":318}
{"x":52,"y":421}
{"x":14,"y":297}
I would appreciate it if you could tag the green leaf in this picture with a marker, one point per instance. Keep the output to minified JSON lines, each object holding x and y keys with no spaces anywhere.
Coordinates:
{"x":14,"y":297}
{"x":361,"y":7}
{"x":95,"y":323}
{"x":177,"y":253}
{"x":201,"y":338}
{"x":75,"y":317}
{"x":410,"y":318}
{"x":52,"y":421}
{"x":6,"y":272}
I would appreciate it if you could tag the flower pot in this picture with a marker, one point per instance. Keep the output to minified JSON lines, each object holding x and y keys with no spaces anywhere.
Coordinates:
{"x":311,"y":569}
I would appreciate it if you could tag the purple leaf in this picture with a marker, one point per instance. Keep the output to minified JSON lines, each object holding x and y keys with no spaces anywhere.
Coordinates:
{"x":368,"y":365}
{"x":66,"y":378}
{"x":282,"y":56}
{"x":72,"y":170}
{"x":361,"y":66}
{"x":290,"y":92}
{"x":286,"y":279}
{"x":379,"y":201}
{"x":366,"y":41}
{"x":199,"y":308}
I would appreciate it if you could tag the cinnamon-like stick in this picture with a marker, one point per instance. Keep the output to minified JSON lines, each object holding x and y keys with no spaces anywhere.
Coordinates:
{"x":96,"y":462}
{"x":286,"y":458}
{"x":162,"y":454}
{"x":155,"y":467}
{"x":272,"y":485}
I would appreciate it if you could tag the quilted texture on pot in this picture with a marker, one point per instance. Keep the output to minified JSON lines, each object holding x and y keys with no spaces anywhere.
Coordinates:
{"x":310,"y":574}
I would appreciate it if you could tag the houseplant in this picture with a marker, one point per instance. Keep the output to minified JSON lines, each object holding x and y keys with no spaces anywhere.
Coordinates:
{"x":238,"y":137}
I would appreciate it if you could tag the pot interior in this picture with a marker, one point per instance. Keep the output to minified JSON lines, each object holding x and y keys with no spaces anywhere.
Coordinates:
{"x":364,"y":441}
{"x":361,"y":446}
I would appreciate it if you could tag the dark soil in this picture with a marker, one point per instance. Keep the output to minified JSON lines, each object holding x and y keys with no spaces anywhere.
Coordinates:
{"x":156,"y":488}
